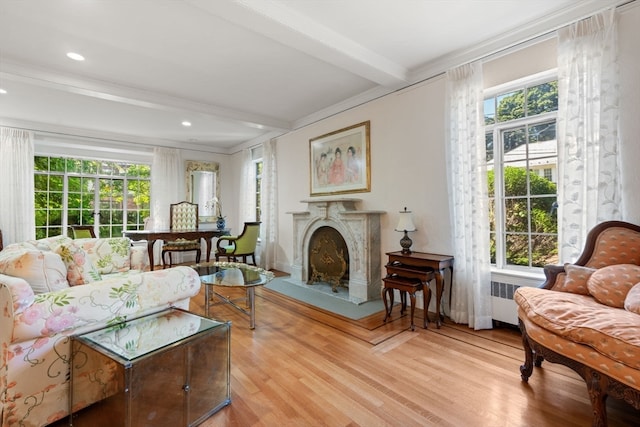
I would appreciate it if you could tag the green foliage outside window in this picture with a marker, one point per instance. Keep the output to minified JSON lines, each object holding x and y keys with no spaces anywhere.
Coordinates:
{"x":535,"y":215}
{"x":69,"y":191}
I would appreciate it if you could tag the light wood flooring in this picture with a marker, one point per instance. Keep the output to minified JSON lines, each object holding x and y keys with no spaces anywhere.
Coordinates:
{"x":302,"y":366}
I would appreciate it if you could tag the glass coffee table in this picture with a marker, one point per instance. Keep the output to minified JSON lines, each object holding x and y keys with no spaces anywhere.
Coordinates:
{"x":233,"y":275}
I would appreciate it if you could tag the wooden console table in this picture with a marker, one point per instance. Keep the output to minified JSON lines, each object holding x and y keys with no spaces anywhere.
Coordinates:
{"x":152,"y":235}
{"x":416,"y":265}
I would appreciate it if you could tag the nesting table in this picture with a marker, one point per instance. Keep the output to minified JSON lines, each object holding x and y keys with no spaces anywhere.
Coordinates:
{"x":412,"y":272}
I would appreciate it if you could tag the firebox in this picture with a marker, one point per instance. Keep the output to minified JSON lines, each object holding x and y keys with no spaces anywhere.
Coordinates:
{"x":328,"y":258}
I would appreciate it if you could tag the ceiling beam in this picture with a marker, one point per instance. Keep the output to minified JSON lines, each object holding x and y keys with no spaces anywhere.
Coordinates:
{"x":290,"y":28}
{"x":132,"y":96}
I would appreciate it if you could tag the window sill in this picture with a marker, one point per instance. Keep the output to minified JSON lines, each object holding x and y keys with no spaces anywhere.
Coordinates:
{"x":531,"y":278}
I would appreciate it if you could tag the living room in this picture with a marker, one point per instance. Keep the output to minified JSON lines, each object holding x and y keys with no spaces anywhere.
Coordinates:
{"x":408,"y":153}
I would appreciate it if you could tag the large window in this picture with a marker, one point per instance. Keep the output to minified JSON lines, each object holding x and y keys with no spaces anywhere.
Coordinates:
{"x":68,"y":191}
{"x":522,"y":174}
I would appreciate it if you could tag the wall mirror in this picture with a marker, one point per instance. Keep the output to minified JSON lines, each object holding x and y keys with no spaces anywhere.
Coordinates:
{"x":203,"y":186}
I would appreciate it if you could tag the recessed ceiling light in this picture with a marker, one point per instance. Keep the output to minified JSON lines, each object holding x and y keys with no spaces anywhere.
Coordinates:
{"x":2,"y":91}
{"x":186,"y":124}
{"x":75,"y":56}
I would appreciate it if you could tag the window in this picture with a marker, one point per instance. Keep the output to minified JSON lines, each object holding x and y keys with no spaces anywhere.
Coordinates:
{"x":72,"y":191}
{"x":522,"y":166}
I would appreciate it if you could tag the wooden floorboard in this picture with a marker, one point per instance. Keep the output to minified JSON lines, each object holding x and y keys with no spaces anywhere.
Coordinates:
{"x":304,"y":366}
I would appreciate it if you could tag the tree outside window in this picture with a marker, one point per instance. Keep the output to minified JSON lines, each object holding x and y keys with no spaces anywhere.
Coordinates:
{"x":72,"y":191}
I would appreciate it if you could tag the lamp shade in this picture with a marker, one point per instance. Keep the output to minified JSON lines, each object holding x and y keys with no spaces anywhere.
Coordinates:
{"x":405,"y":222}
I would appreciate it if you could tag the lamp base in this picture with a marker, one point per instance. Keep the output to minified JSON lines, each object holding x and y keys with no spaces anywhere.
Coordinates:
{"x":406,"y":243}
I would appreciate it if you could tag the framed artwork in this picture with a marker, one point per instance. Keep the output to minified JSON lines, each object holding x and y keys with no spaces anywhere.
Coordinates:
{"x":340,"y":161}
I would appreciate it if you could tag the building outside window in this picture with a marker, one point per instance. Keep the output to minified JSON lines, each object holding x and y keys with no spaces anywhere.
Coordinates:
{"x":522,"y":155}
{"x":69,"y":191}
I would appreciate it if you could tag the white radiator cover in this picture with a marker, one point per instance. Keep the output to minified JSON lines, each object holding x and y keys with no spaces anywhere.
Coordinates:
{"x":503,"y":285}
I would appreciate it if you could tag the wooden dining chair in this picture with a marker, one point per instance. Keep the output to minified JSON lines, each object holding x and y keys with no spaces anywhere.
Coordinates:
{"x":82,"y":231}
{"x":182,"y":216}
{"x":243,"y":245}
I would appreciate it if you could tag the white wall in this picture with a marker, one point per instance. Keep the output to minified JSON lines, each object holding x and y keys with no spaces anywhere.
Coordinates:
{"x":407,"y":167}
{"x":629,"y":50}
{"x":408,"y":147}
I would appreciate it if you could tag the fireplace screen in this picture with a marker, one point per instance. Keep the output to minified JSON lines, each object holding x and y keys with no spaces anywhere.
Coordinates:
{"x":328,"y":258}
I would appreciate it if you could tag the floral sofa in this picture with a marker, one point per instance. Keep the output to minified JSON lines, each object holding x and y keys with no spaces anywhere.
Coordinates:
{"x":53,"y":288}
{"x":587,"y":316}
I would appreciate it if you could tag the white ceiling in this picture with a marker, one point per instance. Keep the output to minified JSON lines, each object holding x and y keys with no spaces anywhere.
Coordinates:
{"x":242,"y":70}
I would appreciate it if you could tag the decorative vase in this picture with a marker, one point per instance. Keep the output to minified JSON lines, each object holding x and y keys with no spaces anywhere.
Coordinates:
{"x":221,"y":223}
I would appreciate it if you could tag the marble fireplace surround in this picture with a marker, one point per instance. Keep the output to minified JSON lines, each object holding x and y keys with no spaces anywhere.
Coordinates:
{"x":361,"y":232}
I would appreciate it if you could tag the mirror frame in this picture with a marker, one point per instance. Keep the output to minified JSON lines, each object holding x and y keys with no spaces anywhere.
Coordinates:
{"x":195,"y":166}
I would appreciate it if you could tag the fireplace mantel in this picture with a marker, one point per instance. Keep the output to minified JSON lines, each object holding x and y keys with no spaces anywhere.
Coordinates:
{"x":361,"y":232}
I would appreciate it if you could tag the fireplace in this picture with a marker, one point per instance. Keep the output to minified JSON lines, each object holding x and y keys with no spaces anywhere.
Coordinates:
{"x":359,"y":232}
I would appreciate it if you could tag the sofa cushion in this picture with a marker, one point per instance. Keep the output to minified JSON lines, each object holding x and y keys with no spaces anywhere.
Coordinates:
{"x":43,"y":270}
{"x":109,"y":255}
{"x":80,"y":269}
{"x":575,"y":280}
{"x":610,"y":285}
{"x":613,"y":332}
{"x":632,"y":301}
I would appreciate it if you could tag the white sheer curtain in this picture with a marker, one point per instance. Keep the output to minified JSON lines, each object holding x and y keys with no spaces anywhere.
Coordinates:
{"x":17,"y":219}
{"x":466,"y":162}
{"x":247,"y":209}
{"x":589,"y":187}
{"x":269,"y":218}
{"x":167,"y":181}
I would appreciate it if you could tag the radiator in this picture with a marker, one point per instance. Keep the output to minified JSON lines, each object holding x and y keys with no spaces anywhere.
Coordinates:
{"x":504,"y":308}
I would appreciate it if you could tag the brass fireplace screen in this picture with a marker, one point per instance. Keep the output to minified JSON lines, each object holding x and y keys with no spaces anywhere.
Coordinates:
{"x":328,"y":258}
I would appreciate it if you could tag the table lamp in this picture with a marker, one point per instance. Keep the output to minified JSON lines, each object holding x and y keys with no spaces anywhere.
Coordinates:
{"x":405,"y":223}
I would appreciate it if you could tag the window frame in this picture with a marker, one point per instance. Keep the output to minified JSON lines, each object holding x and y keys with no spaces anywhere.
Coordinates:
{"x":96,"y":178}
{"x":496,"y":130}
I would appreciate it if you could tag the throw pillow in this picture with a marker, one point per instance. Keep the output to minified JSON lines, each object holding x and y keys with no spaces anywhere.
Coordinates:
{"x":43,"y":270}
{"x":632,"y":301}
{"x":109,"y":255}
{"x":576,"y":279}
{"x":80,"y":269}
{"x":610,"y":285}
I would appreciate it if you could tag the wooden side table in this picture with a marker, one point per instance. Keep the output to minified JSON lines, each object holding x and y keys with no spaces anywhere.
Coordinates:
{"x":417,"y":263}
{"x":406,"y":285}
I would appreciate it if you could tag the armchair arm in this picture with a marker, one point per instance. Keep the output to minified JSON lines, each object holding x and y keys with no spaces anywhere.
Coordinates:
{"x":553,"y":273}
{"x":231,"y":241}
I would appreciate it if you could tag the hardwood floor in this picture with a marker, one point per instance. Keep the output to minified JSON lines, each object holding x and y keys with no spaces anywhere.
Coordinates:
{"x":304,"y":367}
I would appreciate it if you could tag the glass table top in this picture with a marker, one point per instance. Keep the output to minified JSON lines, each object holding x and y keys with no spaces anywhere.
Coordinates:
{"x":232,"y":274}
{"x":139,"y":337}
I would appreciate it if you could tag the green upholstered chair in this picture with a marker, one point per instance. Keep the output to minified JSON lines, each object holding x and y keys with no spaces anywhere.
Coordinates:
{"x":83,"y":231}
{"x":243,"y":245}
{"x":182,"y":216}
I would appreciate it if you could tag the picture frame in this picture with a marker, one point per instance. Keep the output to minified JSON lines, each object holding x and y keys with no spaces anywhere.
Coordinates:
{"x":340,"y":161}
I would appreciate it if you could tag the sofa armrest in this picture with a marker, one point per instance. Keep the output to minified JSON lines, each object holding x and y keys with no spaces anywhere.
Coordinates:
{"x":16,"y":295}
